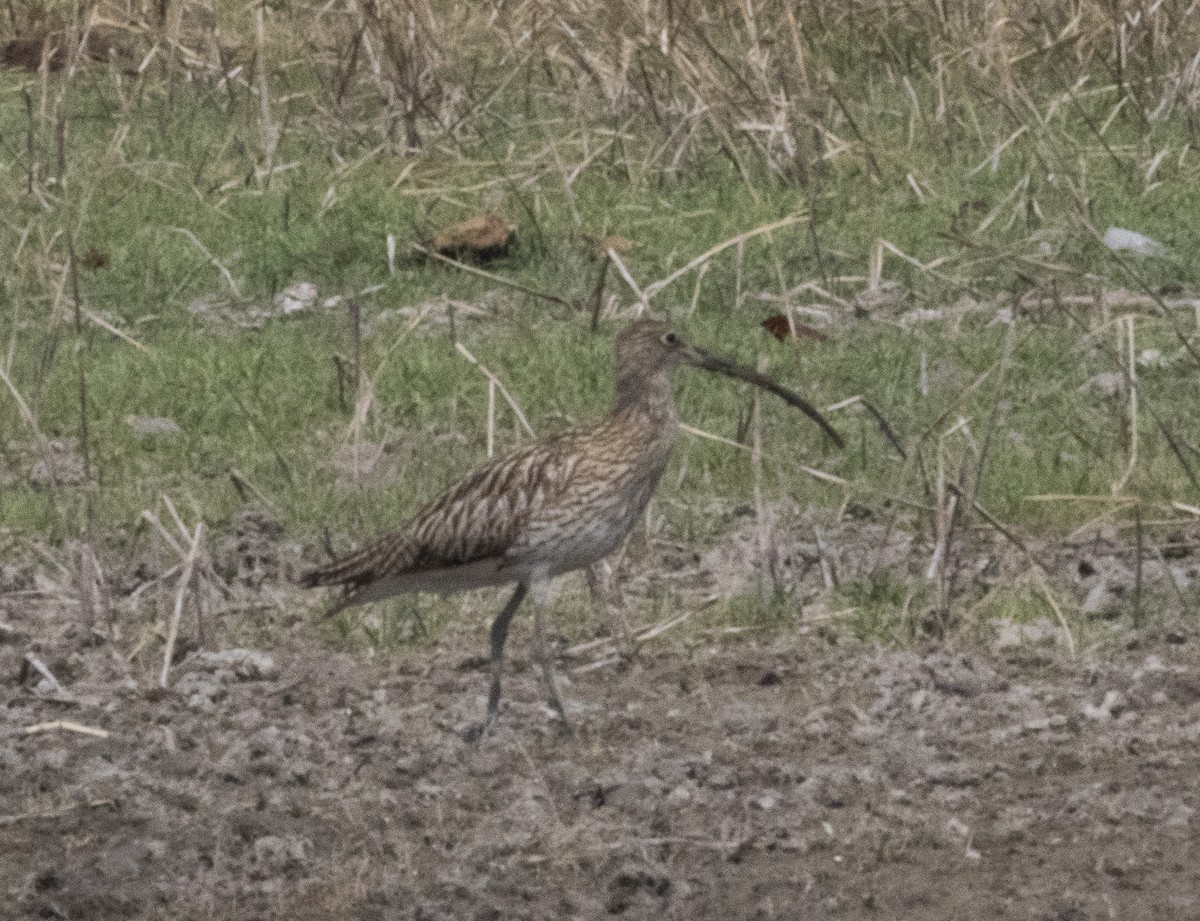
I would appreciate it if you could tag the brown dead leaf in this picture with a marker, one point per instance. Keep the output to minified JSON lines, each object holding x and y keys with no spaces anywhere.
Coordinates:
{"x":601,"y":245}
{"x":484,"y":237}
{"x":777,"y":326}
{"x":94,"y":259}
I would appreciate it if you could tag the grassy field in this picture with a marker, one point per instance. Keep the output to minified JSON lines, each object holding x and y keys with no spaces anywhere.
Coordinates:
{"x":949,"y":173}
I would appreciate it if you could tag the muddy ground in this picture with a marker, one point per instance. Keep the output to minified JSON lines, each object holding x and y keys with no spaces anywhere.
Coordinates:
{"x":716,"y":776}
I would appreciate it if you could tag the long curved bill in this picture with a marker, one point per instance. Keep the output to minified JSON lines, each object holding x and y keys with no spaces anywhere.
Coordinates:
{"x":699,"y":358}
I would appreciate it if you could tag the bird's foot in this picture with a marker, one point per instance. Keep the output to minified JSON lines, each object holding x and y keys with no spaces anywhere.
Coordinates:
{"x":558,"y":715}
{"x":477,"y":733}
{"x":563,"y":728}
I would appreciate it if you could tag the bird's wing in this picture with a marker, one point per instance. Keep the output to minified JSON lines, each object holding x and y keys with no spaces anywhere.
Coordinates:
{"x":481,"y":518}
{"x":484,"y":516}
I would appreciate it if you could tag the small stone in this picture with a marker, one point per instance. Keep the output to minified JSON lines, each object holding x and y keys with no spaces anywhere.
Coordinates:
{"x":1120,"y":239}
{"x":1014,"y":635}
{"x":59,"y":466}
{"x":281,"y":853}
{"x":202,"y":305}
{"x":246,"y":664}
{"x":1112,"y":705}
{"x":1151,"y":358}
{"x":957,"y":827}
{"x":766,"y":802}
{"x":1097,"y":599}
{"x":1150,"y":665}
{"x":1180,"y":816}
{"x":296,"y":297}
{"x":922,"y":315}
{"x":1106,"y":383}
{"x":144,"y":426}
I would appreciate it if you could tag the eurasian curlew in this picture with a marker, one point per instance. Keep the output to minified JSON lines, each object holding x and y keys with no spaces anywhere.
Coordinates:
{"x":549,"y":507}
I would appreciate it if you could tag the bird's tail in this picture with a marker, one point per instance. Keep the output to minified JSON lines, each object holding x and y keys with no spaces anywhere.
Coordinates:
{"x":388,"y":555}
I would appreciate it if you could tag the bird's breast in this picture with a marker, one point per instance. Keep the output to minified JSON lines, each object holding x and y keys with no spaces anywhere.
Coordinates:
{"x":591,"y":518}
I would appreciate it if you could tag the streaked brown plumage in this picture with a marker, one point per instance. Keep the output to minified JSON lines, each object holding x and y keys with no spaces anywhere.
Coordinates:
{"x":549,"y":507}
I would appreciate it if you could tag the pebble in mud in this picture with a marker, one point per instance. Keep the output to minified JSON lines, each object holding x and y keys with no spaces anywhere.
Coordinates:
{"x":1112,"y":705}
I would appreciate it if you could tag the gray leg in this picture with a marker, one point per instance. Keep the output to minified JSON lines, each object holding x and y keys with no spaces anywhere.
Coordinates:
{"x":606,"y":596}
{"x":547,"y":665}
{"x":499,"y":636}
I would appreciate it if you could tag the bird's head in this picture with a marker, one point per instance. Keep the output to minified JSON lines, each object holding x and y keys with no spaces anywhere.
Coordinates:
{"x":647,"y":349}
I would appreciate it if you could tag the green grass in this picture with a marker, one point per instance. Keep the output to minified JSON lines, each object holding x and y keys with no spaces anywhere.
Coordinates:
{"x":265,"y":400}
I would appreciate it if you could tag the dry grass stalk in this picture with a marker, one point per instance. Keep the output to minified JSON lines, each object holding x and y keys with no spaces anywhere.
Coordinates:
{"x":364,"y":399}
{"x":945,"y":519}
{"x":213,"y":260}
{"x":884,"y":426}
{"x":30,"y":420}
{"x":495,"y":381}
{"x":115,"y":331}
{"x":45,"y":672}
{"x":268,"y":130}
{"x":720,"y":439}
{"x":491,"y":276}
{"x":491,"y":418}
{"x":828,"y":576}
{"x":1131,"y":422}
{"x":738,"y":240}
{"x":1036,"y":570}
{"x":6,"y":820}
{"x":243,"y":485}
{"x":94,"y":597}
{"x":765,"y":529}
{"x":1043,"y":585}
{"x":181,"y":592}
{"x":642,"y":302}
{"x":603,"y":646}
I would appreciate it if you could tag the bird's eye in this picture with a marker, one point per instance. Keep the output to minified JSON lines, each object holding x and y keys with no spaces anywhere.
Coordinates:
{"x":670,"y":339}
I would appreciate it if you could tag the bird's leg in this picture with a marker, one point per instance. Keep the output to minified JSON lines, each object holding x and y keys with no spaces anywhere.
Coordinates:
{"x":606,"y":595}
{"x":499,"y":636}
{"x":545,"y":660}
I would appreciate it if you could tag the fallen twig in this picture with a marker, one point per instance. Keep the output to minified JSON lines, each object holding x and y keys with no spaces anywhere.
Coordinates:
{"x":69,"y":726}
{"x":6,"y":820}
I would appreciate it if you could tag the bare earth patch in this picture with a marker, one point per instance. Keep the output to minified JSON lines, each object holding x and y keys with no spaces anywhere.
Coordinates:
{"x":787,"y":778}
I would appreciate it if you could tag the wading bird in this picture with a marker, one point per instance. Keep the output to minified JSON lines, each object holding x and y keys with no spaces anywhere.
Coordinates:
{"x":549,"y":507}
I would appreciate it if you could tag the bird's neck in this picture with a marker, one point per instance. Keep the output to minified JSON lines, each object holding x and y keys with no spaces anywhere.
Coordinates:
{"x":647,"y":395}
{"x":644,"y":427}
